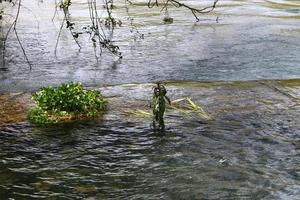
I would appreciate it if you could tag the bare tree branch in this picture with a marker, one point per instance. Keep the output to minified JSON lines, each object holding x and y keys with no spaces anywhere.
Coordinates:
{"x":178,"y":4}
{"x":13,"y":27}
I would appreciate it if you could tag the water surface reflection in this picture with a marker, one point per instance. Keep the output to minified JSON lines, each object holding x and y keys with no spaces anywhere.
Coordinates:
{"x":252,"y":40}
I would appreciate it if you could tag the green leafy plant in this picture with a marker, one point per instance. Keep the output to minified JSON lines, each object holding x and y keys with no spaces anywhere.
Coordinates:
{"x":67,"y":102}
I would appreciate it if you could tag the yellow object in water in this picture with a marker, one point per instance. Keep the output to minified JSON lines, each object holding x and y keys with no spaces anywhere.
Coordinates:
{"x":140,"y":113}
{"x":192,"y":106}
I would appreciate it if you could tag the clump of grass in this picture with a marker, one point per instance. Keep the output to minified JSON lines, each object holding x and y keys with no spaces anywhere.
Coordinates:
{"x":199,"y":110}
{"x":65,"y":103}
{"x":191,"y":107}
{"x":139,"y":113}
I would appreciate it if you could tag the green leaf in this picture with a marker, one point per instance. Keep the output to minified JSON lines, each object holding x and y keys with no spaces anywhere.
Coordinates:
{"x":62,"y":102}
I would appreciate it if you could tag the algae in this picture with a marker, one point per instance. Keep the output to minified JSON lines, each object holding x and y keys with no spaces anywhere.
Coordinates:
{"x":289,"y":83}
{"x":13,"y":108}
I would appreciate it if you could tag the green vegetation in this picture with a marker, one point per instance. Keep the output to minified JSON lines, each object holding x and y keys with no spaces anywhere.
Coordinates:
{"x":158,"y":105}
{"x":191,"y":106}
{"x":65,"y":103}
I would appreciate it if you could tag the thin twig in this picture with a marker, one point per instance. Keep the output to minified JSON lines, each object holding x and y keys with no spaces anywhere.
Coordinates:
{"x":65,"y":10}
{"x":5,"y":40}
{"x":34,"y":15}
{"x":178,"y":4}
{"x":13,"y":27}
{"x":55,"y":12}
{"x":66,"y":13}
{"x":23,"y":50}
{"x":60,"y":29}
{"x":15,"y":30}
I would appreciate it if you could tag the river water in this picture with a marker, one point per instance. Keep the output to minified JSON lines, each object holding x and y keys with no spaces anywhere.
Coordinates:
{"x":253,"y":39}
{"x":249,"y":151}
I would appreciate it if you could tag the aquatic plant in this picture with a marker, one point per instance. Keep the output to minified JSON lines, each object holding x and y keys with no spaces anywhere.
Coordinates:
{"x":65,"y":103}
{"x":139,"y":113}
{"x":158,"y":105}
{"x":192,"y":106}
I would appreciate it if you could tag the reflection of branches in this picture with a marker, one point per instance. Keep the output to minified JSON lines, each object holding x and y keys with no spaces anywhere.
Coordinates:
{"x":178,"y":4}
{"x":13,"y":27}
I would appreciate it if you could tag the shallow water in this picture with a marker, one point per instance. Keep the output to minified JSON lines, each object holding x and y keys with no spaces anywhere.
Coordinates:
{"x":250,"y":151}
{"x":252,"y":40}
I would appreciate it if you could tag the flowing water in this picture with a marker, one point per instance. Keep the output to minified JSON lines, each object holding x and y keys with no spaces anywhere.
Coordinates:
{"x":250,"y":151}
{"x":253,"y":39}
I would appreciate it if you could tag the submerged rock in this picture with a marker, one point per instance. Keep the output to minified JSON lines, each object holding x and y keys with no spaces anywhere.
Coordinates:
{"x":218,"y":99}
{"x":13,"y":107}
